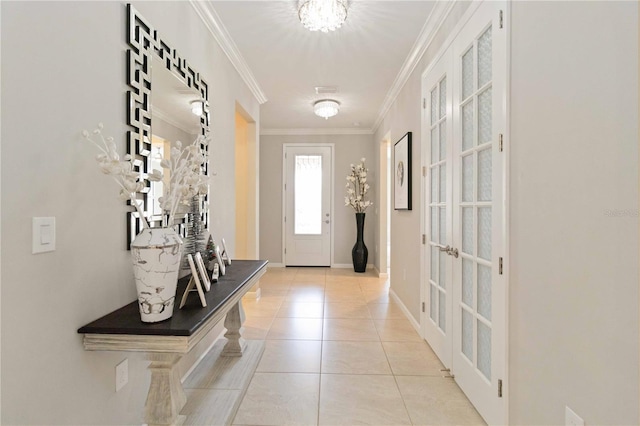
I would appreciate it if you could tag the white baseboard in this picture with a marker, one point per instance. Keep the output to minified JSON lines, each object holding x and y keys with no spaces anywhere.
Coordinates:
{"x":380,"y":274}
{"x":406,"y":311}
{"x":335,"y":265}
{"x":342,"y":265}
{"x":349,"y":265}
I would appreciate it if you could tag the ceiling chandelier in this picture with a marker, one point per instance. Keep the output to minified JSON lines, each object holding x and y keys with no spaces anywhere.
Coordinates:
{"x":326,"y":108}
{"x":322,"y":15}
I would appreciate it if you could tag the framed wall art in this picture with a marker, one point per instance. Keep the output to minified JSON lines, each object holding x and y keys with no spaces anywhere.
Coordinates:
{"x":221,"y":268}
{"x":204,"y":275}
{"x":193,"y":285}
{"x":225,"y":253}
{"x":402,"y":173}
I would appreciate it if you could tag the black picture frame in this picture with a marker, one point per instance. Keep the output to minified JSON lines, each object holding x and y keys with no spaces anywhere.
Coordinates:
{"x":402,"y":173}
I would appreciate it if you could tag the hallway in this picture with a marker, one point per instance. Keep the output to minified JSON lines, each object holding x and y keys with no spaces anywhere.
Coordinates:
{"x":339,"y":350}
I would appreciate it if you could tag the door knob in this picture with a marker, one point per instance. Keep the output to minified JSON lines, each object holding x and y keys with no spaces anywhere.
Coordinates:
{"x":327,"y":221}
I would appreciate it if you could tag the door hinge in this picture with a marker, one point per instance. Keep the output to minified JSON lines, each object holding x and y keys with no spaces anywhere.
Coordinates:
{"x":499,"y":266}
{"x":424,"y":241}
{"x":424,"y":171}
{"x":424,"y":103}
{"x":285,"y":250}
{"x":500,"y":388}
{"x":285,"y":219}
{"x":423,"y":308}
{"x":501,"y":143}
{"x":501,"y":19}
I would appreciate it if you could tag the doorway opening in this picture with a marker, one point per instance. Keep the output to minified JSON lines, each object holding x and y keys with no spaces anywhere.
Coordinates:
{"x":384,"y":253}
{"x":246,"y":186}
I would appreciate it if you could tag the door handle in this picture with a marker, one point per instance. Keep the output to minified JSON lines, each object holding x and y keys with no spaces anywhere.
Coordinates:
{"x":449,"y":250}
{"x":327,"y":221}
{"x":443,"y":248}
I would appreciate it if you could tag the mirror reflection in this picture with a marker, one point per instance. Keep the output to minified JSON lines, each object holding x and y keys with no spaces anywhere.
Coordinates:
{"x":175,"y":116}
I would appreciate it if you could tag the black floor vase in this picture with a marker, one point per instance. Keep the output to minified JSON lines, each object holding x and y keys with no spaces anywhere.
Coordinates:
{"x":360,"y":253}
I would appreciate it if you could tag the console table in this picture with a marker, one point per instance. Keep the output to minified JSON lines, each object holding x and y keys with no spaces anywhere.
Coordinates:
{"x":167,"y":341}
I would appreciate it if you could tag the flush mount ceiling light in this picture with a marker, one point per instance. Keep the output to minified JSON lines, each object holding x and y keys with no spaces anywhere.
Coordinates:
{"x":326,"y":108}
{"x":196,"y":107}
{"x":322,"y":15}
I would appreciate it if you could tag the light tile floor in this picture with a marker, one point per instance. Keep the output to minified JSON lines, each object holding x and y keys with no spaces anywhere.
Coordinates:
{"x":339,"y":351}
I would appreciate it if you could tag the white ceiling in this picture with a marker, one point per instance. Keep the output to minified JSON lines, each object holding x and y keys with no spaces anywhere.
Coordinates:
{"x":363,"y":58}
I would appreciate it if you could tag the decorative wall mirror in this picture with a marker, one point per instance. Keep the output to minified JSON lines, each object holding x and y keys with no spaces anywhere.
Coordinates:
{"x":164,"y":89}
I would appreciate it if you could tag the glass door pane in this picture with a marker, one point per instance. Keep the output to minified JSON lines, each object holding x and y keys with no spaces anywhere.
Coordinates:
{"x":438,"y":205}
{"x":475,"y":149}
{"x":308,"y":195}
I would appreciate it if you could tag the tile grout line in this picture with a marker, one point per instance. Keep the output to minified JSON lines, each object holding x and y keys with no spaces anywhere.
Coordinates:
{"x":404,"y":403}
{"x":322,"y":339}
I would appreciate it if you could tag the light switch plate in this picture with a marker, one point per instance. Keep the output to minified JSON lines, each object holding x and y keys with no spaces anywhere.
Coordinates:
{"x":43,"y":234}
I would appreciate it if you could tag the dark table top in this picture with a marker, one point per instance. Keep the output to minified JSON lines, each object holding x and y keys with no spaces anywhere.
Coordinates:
{"x":185,"y":321}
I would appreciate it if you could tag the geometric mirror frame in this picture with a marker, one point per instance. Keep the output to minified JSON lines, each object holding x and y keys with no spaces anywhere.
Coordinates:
{"x":148,"y":47}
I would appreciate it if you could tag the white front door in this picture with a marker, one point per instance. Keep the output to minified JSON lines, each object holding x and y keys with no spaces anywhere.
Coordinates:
{"x":466,"y":185}
{"x":307,"y":199}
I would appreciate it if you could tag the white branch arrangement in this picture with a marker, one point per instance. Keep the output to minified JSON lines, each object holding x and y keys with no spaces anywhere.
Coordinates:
{"x":357,"y":188}
{"x":184,"y":167}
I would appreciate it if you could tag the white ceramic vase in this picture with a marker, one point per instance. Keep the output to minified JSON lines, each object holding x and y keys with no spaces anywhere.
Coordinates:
{"x":156,"y":255}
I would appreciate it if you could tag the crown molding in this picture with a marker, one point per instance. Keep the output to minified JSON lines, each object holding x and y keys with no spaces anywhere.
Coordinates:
{"x":440,"y":12}
{"x":314,"y":132}
{"x":212,"y":21}
{"x":167,"y":118}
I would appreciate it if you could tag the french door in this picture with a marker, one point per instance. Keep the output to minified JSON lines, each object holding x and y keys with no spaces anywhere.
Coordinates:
{"x":439,"y":127}
{"x":307,"y":205}
{"x":465,"y":289}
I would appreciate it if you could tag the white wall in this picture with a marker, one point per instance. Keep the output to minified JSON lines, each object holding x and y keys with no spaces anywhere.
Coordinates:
{"x":64,"y":70}
{"x":348,"y":149}
{"x":574,"y":266}
{"x":573,"y":152}
{"x":404,"y":116}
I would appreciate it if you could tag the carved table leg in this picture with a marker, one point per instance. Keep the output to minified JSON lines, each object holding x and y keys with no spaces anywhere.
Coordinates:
{"x":166,"y":396}
{"x":233,"y":322}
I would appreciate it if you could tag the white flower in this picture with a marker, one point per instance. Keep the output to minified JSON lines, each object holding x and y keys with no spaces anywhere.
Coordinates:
{"x":155,"y":176}
{"x":124,"y":195}
{"x":357,"y":188}
{"x":184,"y":167}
